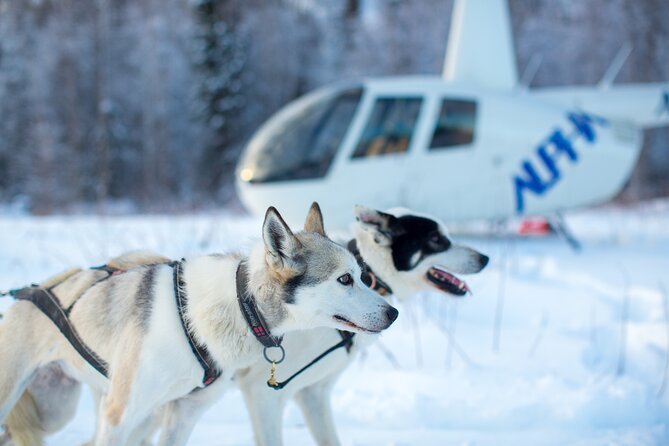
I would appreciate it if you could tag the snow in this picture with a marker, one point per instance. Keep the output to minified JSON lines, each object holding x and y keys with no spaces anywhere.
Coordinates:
{"x":580,"y":358}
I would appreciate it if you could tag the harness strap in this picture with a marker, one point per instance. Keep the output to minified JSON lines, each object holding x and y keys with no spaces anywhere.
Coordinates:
{"x":110,"y":270}
{"x":50,"y":306}
{"x":346,"y":341}
{"x":47,"y":303}
{"x":254,"y":319}
{"x":211,"y":371}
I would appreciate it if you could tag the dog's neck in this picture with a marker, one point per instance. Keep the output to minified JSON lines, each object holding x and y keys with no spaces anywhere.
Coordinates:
{"x":213,"y":311}
{"x":380,"y":260}
{"x":377,"y":257}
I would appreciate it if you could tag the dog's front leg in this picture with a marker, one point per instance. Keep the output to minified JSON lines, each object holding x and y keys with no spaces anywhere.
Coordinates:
{"x":143,"y":433}
{"x":181,"y":415}
{"x":134,"y":393}
{"x":118,"y":421}
{"x":314,"y":401}
{"x":266,"y":407}
{"x":115,"y":423}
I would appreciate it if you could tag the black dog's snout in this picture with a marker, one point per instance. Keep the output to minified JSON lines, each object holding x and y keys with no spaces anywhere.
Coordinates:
{"x":483,"y":260}
{"x":392,"y":313}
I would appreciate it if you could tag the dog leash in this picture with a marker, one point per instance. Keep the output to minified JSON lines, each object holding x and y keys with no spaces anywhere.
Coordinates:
{"x":347,"y":341}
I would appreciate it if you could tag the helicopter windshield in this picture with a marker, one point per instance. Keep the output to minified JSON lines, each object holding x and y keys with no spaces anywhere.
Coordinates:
{"x":302,"y":140}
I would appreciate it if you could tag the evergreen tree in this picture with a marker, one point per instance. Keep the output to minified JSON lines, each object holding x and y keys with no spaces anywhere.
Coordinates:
{"x":220,"y":60}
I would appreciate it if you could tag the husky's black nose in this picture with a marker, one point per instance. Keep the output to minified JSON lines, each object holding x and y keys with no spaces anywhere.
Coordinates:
{"x":483,"y":260}
{"x":392,"y":313}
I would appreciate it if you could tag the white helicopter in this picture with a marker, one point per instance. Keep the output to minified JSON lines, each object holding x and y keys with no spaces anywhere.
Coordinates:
{"x":472,"y":144}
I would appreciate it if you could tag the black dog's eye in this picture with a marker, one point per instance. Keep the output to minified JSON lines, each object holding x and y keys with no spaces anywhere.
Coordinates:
{"x":435,"y":239}
{"x":346,"y":279}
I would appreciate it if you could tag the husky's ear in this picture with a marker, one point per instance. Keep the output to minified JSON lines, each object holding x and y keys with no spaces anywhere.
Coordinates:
{"x":314,"y":221}
{"x":283,"y":250}
{"x":383,"y":226}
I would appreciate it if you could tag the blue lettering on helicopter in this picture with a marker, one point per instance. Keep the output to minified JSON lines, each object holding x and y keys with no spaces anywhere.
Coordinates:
{"x":556,"y":146}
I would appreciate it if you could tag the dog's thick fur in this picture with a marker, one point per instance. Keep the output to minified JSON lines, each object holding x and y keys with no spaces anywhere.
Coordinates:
{"x":131,"y":321}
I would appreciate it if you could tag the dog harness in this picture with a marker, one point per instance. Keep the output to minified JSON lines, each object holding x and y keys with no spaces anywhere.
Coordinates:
{"x":49,"y":305}
{"x":46,"y":301}
{"x":211,"y":372}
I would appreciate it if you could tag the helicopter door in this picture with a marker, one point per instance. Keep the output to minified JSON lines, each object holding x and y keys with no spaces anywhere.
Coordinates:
{"x":446,"y":171}
{"x":374,"y":171}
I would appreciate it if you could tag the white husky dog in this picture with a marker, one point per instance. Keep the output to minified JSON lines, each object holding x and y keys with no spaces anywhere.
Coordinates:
{"x":132,"y":322}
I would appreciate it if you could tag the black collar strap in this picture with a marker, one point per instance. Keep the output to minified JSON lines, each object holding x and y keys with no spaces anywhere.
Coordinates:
{"x":211,"y":372}
{"x":369,"y":277}
{"x":247,"y":304}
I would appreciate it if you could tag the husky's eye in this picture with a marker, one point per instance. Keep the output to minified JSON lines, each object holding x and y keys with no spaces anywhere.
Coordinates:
{"x":346,"y":279}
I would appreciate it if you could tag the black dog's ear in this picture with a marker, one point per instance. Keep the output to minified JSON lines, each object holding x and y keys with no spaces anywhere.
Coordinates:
{"x":283,"y":250}
{"x":314,"y":222}
{"x":384,"y":226}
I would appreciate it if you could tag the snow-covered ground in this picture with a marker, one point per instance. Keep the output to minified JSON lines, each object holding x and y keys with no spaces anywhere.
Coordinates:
{"x":554,"y":347}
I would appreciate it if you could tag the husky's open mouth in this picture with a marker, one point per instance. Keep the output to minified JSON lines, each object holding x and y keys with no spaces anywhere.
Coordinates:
{"x":446,"y":281}
{"x":345,"y":321}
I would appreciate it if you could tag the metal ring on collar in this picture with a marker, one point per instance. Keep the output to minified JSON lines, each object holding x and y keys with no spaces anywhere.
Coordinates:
{"x":280,"y":360}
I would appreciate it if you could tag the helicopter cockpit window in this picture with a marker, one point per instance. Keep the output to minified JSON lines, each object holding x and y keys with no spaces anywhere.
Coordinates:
{"x":456,"y":124}
{"x":301,"y":143}
{"x":389,"y":128}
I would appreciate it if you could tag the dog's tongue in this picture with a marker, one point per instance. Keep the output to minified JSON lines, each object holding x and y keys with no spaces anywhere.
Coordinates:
{"x":444,"y":276}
